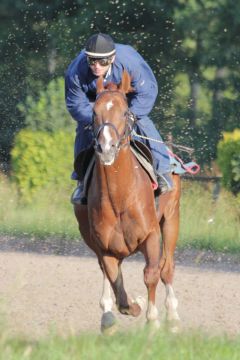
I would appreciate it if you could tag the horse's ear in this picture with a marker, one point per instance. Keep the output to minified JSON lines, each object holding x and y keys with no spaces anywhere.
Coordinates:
{"x":99,"y":85}
{"x":125,"y":85}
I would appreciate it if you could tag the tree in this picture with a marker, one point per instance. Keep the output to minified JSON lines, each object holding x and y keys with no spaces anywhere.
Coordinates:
{"x":47,"y":112}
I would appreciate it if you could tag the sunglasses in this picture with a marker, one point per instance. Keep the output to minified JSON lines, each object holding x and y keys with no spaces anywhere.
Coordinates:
{"x":102,"y":61}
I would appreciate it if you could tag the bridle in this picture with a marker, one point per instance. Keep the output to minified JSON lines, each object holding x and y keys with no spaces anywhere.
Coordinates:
{"x":121,"y":137}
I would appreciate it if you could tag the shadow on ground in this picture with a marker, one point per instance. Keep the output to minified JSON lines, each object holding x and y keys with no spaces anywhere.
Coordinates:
{"x":206,"y":259}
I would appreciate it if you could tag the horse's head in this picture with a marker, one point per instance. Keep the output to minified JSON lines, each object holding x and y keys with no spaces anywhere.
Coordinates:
{"x":111,"y":122}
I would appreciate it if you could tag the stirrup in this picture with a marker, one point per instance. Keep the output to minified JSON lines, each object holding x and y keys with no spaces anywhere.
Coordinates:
{"x":78,"y":197}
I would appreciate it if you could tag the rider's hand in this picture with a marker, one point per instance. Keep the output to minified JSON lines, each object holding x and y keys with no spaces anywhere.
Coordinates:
{"x":132,"y":117}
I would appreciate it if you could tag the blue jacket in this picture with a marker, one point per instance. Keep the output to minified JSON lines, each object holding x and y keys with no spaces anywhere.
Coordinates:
{"x":80,"y":84}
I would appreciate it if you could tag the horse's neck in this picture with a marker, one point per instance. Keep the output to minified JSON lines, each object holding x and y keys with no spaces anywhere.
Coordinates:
{"x":118,"y":180}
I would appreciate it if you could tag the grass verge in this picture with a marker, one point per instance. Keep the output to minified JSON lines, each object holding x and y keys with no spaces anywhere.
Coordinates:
{"x":205,"y":224}
{"x":135,"y":346}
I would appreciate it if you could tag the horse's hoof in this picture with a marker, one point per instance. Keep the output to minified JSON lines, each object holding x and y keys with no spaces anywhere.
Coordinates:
{"x":141,"y":301}
{"x":108,"y":323}
{"x":135,"y":309}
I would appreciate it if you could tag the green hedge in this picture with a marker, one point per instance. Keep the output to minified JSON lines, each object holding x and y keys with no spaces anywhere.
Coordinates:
{"x":40,"y":159}
{"x":228,"y":158}
{"x":47,"y":110}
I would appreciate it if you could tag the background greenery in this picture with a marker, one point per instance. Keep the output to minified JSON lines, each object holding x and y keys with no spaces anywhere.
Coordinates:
{"x":205,"y":223}
{"x":138,"y":346}
{"x":41,"y":158}
{"x":192,"y":45}
{"x":193,"y":48}
{"x":229,"y":160}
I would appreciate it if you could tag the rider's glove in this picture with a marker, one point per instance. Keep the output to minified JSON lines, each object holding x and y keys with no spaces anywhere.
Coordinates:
{"x":132,"y":118}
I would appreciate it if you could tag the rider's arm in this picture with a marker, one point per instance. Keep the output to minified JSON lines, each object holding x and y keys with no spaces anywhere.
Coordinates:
{"x":145,"y":92}
{"x":76,"y":100}
{"x":143,"y":81}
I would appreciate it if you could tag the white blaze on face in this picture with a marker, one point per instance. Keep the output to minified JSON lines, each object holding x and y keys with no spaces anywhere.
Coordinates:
{"x":107,"y":138}
{"x":109,"y":105}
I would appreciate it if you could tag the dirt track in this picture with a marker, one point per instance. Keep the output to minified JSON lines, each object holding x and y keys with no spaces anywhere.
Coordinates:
{"x":40,"y":290}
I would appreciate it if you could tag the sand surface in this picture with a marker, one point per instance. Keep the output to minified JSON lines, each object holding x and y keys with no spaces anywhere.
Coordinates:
{"x":57,"y":287}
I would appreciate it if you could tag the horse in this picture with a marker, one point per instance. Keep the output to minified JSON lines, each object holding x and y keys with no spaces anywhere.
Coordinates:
{"x":122,"y":216}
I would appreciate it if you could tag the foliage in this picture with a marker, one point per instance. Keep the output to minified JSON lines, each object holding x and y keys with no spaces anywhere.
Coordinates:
{"x":50,"y":214}
{"x":40,"y":159}
{"x":47,"y":112}
{"x":141,"y":344}
{"x":187,"y":37}
{"x":214,"y":223}
{"x":229,"y":160}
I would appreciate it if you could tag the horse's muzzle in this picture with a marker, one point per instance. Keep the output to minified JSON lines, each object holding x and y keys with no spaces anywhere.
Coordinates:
{"x":107,"y":157}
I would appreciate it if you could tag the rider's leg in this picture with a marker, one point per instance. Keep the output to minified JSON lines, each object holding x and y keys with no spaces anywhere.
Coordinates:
{"x":82,"y":141}
{"x":146,"y":127}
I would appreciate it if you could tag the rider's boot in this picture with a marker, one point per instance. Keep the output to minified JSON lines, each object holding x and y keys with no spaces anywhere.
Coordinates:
{"x":78,"y":196}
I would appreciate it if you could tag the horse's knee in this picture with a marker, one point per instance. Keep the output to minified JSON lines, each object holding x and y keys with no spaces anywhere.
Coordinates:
{"x":151,"y":275}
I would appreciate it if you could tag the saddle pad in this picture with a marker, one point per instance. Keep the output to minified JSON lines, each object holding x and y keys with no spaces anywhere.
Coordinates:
{"x":145,"y":164}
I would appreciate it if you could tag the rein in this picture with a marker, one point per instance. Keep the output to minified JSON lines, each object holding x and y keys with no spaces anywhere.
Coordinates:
{"x":180,"y":147}
{"x":193,"y":169}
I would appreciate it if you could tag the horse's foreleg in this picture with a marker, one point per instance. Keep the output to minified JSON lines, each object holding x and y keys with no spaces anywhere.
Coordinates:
{"x":151,"y":251}
{"x":108,"y":321}
{"x":106,"y":302}
{"x":112,"y":267}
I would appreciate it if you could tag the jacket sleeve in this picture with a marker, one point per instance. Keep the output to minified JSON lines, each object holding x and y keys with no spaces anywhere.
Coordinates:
{"x":145,"y":90}
{"x":77,"y":101}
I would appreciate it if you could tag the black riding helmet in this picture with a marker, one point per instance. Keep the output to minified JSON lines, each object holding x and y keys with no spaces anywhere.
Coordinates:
{"x":100,"y":46}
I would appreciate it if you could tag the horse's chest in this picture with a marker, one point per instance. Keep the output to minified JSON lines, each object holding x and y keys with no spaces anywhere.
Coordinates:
{"x":119,"y":234}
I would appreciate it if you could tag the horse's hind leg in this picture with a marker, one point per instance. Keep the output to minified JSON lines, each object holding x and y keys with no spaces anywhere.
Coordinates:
{"x":112,"y":267}
{"x":151,"y":250}
{"x":169,"y":227}
{"x":171,"y":302}
{"x":166,"y":274}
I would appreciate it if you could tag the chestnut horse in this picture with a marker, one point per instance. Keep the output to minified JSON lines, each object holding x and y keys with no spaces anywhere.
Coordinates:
{"x":121,"y":216}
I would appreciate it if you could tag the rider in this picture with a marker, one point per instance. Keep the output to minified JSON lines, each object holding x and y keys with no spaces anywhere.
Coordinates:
{"x":101,"y":57}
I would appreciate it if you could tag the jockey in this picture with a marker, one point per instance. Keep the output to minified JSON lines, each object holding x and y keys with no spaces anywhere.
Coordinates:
{"x":101,"y":57}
